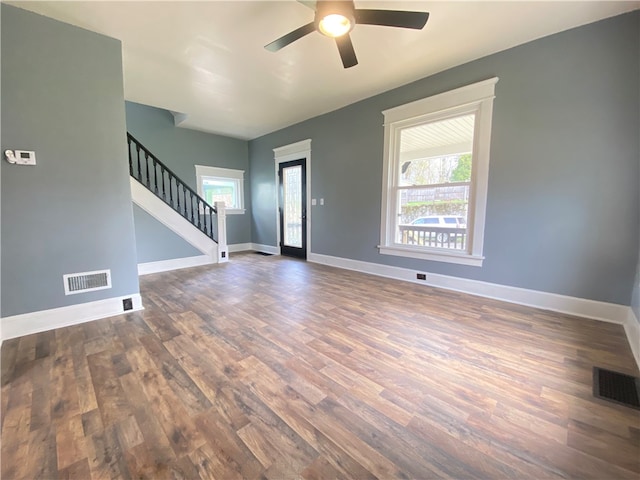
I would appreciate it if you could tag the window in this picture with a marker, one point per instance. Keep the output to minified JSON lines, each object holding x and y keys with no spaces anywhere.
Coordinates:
{"x":436,"y":168}
{"x":221,"y":185}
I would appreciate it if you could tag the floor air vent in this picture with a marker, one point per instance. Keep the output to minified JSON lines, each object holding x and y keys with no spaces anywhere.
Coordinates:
{"x":86,"y":281}
{"x":616,"y":387}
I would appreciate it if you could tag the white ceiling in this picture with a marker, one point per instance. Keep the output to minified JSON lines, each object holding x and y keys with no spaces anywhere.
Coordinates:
{"x":206,"y":61}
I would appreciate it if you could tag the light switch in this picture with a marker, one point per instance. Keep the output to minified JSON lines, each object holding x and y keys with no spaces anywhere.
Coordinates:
{"x":313,"y":201}
{"x":322,"y":201}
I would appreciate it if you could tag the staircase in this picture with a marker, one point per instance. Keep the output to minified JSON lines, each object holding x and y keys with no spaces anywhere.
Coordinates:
{"x":161,"y":193}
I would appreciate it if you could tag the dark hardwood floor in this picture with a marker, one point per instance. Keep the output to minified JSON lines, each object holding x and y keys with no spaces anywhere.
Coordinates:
{"x":268,"y":367}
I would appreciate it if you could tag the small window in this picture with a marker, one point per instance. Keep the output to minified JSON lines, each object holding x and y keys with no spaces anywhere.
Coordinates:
{"x":436,"y":174}
{"x":221,"y":185}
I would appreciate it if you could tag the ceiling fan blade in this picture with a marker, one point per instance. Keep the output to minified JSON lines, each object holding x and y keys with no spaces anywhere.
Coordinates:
{"x":347,"y":53}
{"x":291,"y":37}
{"x":391,"y":18}
{"x":308,"y":3}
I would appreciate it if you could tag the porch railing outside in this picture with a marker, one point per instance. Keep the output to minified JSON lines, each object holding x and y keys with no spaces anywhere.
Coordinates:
{"x":429,"y":236}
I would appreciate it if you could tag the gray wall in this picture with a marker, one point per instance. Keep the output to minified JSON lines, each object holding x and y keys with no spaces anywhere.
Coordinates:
{"x":62,"y":96}
{"x":155,"y":242}
{"x":563,"y":201}
{"x":181,"y":149}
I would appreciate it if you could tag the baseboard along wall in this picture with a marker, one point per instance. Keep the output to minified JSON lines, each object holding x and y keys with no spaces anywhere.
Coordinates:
{"x":174,"y":264}
{"x":41,"y":321}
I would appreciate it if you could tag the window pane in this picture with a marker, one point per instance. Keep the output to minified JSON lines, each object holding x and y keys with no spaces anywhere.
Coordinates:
{"x":431,"y":153}
{"x":436,"y":163}
{"x":219,"y":190}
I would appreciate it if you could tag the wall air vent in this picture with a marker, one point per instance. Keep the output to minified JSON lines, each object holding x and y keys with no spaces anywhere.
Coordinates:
{"x":86,"y":281}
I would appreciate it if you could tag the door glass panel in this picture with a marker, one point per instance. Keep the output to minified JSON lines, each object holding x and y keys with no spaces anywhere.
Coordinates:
{"x":292,"y":193}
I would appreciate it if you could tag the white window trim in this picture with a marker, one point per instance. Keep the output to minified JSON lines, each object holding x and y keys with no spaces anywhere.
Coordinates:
{"x":238,"y":175}
{"x":287,"y":153}
{"x":475,"y":98}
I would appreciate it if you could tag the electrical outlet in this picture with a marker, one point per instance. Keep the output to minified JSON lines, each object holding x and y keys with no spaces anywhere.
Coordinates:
{"x":421,"y":276}
{"x":127,"y":304}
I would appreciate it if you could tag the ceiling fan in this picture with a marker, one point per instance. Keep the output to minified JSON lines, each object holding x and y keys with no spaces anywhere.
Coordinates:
{"x":336,"y":19}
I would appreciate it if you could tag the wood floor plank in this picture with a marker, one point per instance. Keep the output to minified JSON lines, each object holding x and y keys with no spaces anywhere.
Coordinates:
{"x":41,"y":396}
{"x":210,"y":383}
{"x":70,"y":442}
{"x":78,"y":470}
{"x":320,"y":469}
{"x":295,"y":411}
{"x":270,"y":368}
{"x":84,"y":384}
{"x":14,"y":460}
{"x":64,"y":398}
{"x":43,"y":458}
{"x":458,"y":446}
{"x":92,"y":422}
{"x":596,"y":441}
{"x":149,"y":425}
{"x":128,"y":433}
{"x":112,"y":400}
{"x":161,"y":452}
{"x":225,"y":444}
{"x":172,"y":414}
{"x":17,"y":422}
{"x":210,"y":465}
{"x":26,"y":350}
{"x":8,"y":359}
{"x":180,"y":382}
{"x":106,"y":456}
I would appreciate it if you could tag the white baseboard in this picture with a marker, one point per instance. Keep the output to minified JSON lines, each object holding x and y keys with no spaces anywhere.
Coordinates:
{"x":581,"y":307}
{"x":196,"y":261}
{"x":187,"y":262}
{"x":240,"y":247}
{"x":265,"y":248}
{"x":632,"y":329}
{"x":34,"y":322}
{"x":174,"y":264}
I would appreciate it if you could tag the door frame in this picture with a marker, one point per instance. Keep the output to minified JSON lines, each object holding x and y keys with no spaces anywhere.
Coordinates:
{"x":296,"y":151}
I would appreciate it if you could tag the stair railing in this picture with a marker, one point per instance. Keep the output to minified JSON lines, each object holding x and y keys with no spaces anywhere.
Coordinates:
{"x":147,"y":169}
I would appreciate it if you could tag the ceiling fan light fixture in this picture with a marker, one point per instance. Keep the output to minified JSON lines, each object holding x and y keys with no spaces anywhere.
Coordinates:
{"x":334,"y":18}
{"x":335,"y":25}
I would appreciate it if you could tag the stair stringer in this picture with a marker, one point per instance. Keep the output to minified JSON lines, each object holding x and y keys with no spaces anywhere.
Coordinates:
{"x":171,"y":219}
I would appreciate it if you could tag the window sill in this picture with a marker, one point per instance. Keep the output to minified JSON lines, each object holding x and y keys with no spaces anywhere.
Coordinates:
{"x":434,"y":255}
{"x":234,"y":211}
